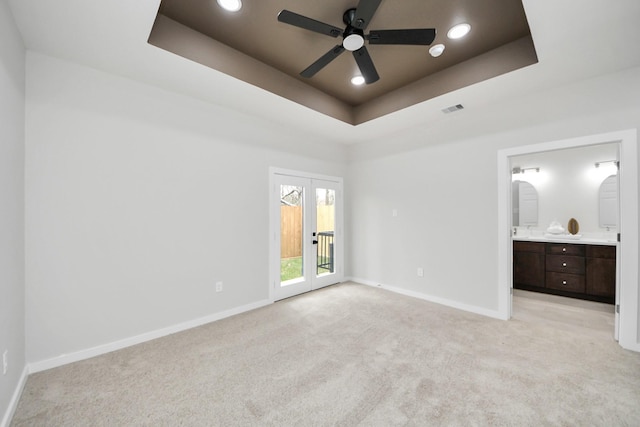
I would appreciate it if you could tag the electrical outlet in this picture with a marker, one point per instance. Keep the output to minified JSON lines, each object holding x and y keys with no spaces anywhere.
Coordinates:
{"x":5,"y":362}
{"x":420,"y":272}
{"x":218,"y":286}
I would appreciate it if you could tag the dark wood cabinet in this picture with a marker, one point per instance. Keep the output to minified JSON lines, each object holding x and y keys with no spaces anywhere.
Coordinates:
{"x":528,"y":264}
{"x":576,"y":270}
{"x":601,"y":271}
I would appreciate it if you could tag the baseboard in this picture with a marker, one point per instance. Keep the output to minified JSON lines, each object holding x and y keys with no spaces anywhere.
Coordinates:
{"x":442,"y":301}
{"x":13,"y":404}
{"x":631,"y":346}
{"x":138,"y":339}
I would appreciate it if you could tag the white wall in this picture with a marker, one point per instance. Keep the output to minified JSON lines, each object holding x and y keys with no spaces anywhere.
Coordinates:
{"x":12,"y":308}
{"x":445,"y":222}
{"x":568,"y":184}
{"x":442,"y":179}
{"x":138,"y":201}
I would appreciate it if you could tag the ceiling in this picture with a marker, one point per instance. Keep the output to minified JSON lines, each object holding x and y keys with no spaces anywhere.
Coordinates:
{"x":575,"y":40}
{"x":255,"y":32}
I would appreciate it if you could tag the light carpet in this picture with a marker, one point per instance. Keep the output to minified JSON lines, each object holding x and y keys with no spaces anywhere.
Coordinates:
{"x":354,"y":355}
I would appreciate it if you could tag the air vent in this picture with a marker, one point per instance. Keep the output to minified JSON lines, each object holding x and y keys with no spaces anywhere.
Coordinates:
{"x":452,"y":109}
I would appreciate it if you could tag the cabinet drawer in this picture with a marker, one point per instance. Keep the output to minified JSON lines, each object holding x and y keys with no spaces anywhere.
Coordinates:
{"x":565,"y":282}
{"x":565,"y":264}
{"x":565,"y":249}
{"x":598,"y":251}
{"x":519,"y":246}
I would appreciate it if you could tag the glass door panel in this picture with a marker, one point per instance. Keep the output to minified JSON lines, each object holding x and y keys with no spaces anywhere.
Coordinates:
{"x":327,"y":237}
{"x":290,"y":208}
{"x":291,"y":233}
{"x":325,"y":227}
{"x":306,"y":236}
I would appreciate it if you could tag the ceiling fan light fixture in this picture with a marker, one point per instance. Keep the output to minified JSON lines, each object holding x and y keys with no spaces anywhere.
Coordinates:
{"x":353,"y":42}
{"x":436,"y":50}
{"x":230,"y":5}
{"x":459,"y":31}
{"x":357,"y":80}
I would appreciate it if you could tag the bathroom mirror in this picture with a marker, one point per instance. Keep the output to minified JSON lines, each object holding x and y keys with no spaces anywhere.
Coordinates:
{"x":609,"y":202}
{"x":525,"y":204}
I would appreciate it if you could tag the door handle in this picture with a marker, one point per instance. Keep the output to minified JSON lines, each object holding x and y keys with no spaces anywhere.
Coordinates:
{"x":315,"y":242}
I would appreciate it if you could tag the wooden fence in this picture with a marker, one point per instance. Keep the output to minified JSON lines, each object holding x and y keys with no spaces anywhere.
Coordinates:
{"x":291,"y":228}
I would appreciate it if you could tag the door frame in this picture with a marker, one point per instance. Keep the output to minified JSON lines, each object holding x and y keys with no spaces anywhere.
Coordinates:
{"x":628,"y":227}
{"x":274,"y":225}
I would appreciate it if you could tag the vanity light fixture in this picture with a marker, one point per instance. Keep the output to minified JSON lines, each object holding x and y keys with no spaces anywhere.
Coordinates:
{"x":459,"y":31}
{"x":518,"y":170}
{"x":230,"y":5}
{"x":615,"y":162}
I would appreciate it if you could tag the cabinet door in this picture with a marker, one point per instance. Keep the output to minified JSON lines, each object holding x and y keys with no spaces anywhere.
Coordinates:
{"x":601,"y":277}
{"x":528,"y":269}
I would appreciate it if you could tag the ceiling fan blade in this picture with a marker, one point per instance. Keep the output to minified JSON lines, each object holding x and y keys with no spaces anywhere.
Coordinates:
{"x":322,"y":62}
{"x":364,"y":13}
{"x":366,"y":66}
{"x":294,"y":19}
{"x":422,"y":36}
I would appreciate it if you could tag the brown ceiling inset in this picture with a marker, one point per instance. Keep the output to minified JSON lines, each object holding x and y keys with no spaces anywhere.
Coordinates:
{"x":236,"y":43}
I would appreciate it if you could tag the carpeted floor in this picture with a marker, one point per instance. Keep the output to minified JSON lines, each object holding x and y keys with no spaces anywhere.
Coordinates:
{"x":354,"y":355}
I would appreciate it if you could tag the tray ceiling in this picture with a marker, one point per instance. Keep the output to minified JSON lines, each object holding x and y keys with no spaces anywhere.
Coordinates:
{"x":253,"y":46}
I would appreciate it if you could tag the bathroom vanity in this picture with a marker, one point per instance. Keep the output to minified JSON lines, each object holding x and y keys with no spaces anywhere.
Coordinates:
{"x":579,"y":269}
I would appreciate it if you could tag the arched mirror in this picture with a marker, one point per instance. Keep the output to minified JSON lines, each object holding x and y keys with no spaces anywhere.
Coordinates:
{"x":525,"y":204}
{"x":609,"y":202}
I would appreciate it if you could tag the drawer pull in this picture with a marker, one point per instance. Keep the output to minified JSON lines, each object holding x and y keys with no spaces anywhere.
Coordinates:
{"x":564,"y":264}
{"x":564,"y":282}
{"x":564,"y":249}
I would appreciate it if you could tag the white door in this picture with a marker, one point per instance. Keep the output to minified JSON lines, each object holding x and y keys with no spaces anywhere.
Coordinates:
{"x":306,"y":229}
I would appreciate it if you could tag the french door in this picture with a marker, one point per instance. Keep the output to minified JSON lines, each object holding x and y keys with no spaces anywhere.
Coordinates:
{"x":306,"y":233}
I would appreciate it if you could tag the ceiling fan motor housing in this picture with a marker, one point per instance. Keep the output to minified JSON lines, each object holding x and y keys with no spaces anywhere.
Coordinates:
{"x":348,"y":16}
{"x":353,"y":37}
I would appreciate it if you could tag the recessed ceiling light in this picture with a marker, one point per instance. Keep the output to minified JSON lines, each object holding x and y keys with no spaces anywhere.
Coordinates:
{"x":436,"y":50}
{"x":459,"y":31}
{"x":357,"y":80}
{"x":230,"y":5}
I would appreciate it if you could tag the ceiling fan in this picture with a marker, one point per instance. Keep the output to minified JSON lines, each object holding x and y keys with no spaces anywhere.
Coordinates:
{"x":356,"y":20}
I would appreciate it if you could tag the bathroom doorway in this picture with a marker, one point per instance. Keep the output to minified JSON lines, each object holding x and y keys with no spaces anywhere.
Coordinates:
{"x":627,"y":294}
{"x":565,"y":244}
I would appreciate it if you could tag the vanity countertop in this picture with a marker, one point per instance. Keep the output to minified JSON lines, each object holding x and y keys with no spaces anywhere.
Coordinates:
{"x":560,"y":239}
